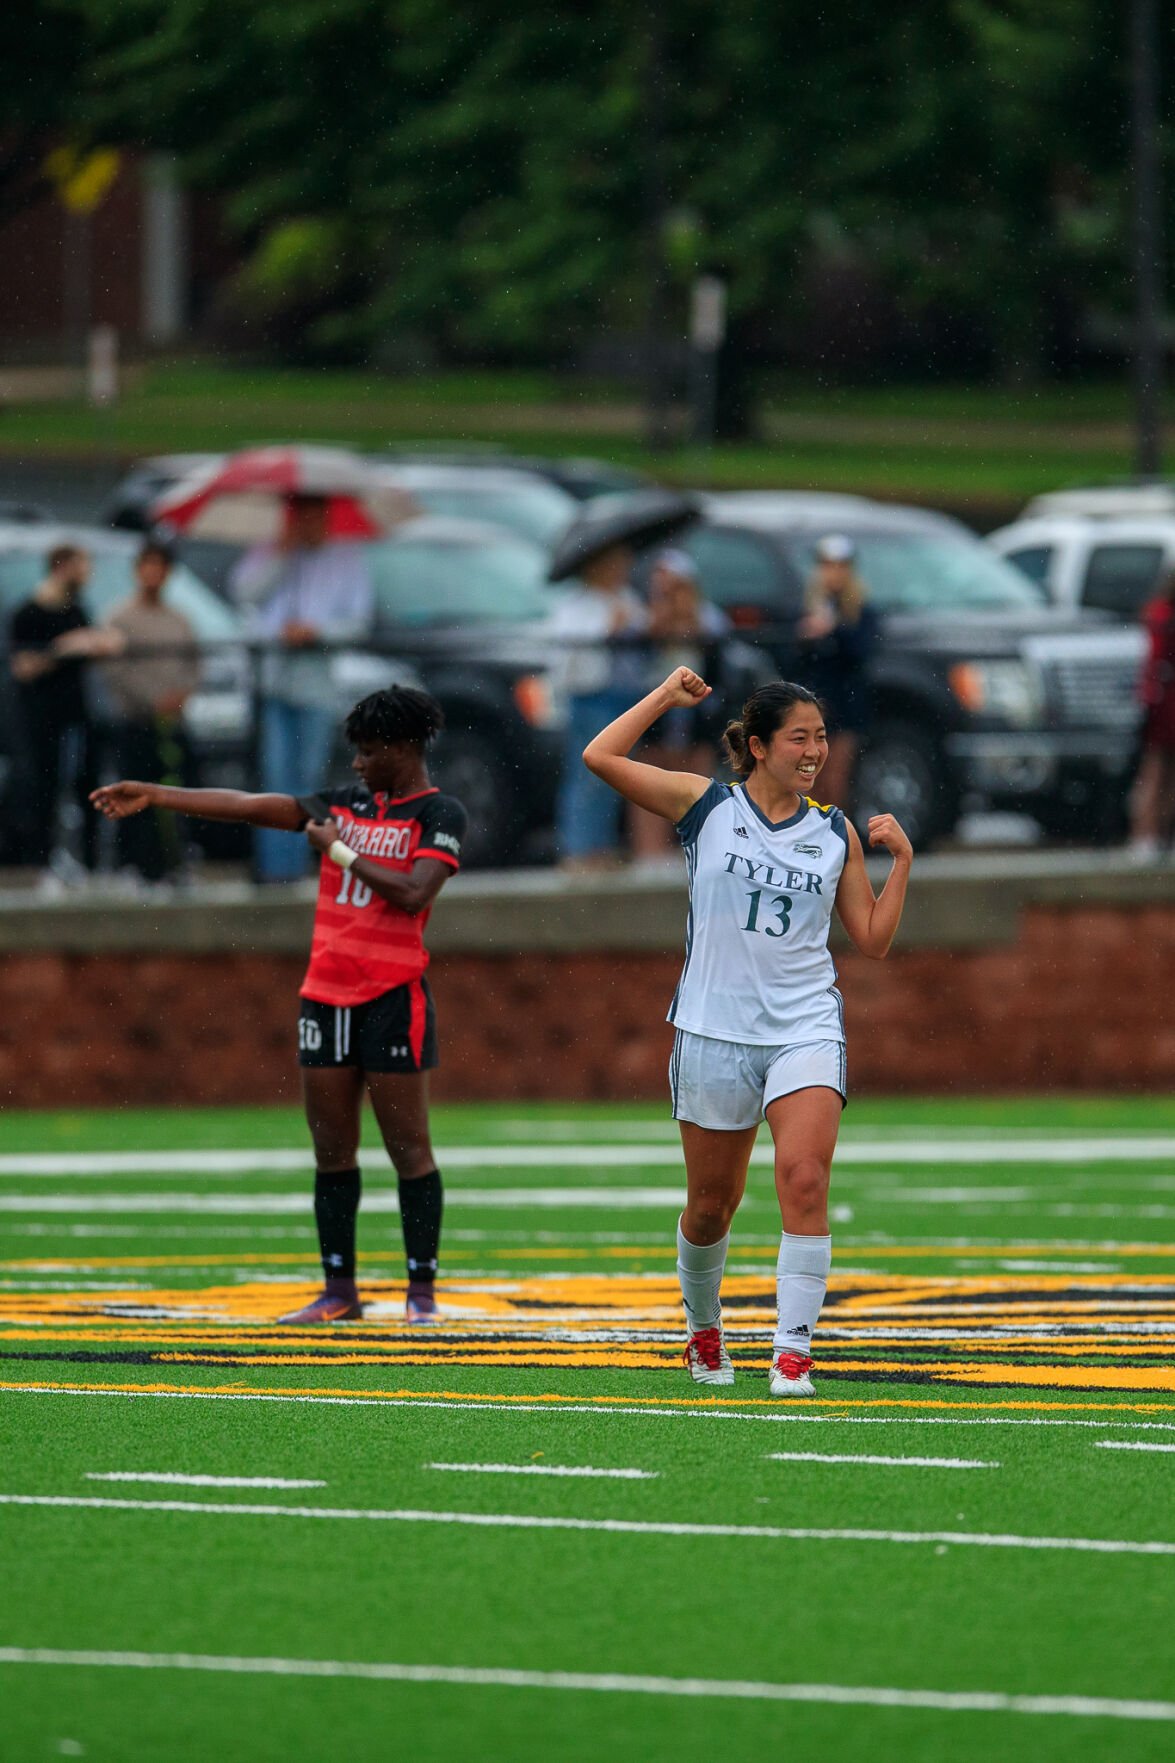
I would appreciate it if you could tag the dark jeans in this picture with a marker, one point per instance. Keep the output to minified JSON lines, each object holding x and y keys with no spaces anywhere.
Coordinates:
{"x":154,"y":752}
{"x":56,"y":754}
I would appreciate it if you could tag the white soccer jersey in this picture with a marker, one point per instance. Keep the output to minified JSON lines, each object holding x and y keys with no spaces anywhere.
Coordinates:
{"x":757,"y":965}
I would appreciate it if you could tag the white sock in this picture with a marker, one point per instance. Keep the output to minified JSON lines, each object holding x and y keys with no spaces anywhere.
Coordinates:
{"x":699,"y":1271}
{"x":801,"y":1280}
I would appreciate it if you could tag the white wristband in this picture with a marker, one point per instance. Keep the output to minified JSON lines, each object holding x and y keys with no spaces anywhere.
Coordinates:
{"x":342,"y":854}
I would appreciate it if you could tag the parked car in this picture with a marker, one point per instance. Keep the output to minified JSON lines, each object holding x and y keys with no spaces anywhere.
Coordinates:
{"x":217,"y":715}
{"x":1111,"y":562}
{"x":466,"y":603}
{"x":459,"y":611}
{"x":583,"y":478}
{"x":984,"y":693}
{"x":518,"y":501}
{"x":128,"y":504}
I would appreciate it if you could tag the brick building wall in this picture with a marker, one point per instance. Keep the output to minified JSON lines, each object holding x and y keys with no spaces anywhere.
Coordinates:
{"x":1080,"y":999}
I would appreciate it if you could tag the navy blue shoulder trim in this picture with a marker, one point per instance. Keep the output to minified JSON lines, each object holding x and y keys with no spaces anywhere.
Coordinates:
{"x":695,"y":818}
{"x":836,"y":820}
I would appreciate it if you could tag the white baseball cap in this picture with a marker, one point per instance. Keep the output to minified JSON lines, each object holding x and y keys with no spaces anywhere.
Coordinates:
{"x":677,"y":562}
{"x":836,"y":548}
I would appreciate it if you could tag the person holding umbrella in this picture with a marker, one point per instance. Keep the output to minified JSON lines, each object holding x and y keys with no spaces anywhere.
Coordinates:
{"x":600,"y":626}
{"x":304,"y":592}
{"x":307,"y":587}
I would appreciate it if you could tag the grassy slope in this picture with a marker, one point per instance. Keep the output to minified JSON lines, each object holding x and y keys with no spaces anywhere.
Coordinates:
{"x":978,"y":445}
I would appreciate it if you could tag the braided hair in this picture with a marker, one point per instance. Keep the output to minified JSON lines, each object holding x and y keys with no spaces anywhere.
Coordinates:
{"x":401,"y":713}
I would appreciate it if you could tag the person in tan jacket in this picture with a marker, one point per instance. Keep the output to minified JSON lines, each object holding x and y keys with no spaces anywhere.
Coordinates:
{"x":148,"y":684}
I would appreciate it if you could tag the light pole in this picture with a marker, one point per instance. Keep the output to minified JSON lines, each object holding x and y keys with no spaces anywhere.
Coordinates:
{"x":1148,"y":240}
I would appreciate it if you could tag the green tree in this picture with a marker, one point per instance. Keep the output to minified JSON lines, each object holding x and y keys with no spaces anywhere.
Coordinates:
{"x":504,"y":178}
{"x":45,"y":50}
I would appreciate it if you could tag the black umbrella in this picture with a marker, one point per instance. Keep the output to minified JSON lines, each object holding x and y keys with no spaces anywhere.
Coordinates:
{"x":638,"y":519}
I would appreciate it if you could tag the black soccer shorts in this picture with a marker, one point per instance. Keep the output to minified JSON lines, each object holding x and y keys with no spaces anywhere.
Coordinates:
{"x":395,"y":1032}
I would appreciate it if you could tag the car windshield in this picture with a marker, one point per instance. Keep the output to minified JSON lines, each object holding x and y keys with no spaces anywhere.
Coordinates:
{"x":935,"y":571}
{"x":537,"y":511}
{"x":112,"y":579}
{"x":437,"y":581}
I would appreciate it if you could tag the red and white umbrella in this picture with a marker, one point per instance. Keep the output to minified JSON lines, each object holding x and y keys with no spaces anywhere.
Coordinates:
{"x":245,"y":498}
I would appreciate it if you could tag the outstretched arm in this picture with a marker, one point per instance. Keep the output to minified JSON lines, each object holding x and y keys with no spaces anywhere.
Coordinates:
{"x":872,"y":922}
{"x":668,"y":793}
{"x":117,"y":801}
{"x":412,"y":891}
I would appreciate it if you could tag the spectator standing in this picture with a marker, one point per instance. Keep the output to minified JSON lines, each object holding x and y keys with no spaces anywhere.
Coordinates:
{"x":685,"y":630}
{"x":307,"y":593}
{"x":148,"y":686}
{"x":836,"y":637}
{"x":50,"y":641}
{"x":1152,"y":803}
{"x":599,"y":629}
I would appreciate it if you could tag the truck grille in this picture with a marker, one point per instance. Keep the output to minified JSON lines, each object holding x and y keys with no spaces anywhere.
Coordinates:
{"x":1092,"y":681}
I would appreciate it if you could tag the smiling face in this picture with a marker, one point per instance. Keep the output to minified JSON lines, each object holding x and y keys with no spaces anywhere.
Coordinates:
{"x":791,"y":759}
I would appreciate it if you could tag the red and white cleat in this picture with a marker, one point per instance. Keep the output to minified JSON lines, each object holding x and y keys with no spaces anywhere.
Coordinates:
{"x":707,"y":1358}
{"x":791,"y":1375}
{"x":421,"y":1305}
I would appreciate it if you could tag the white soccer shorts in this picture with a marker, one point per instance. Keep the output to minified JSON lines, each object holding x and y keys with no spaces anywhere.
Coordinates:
{"x":729,"y":1085}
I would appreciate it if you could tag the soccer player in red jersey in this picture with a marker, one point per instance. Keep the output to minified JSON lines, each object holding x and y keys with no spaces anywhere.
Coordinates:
{"x":388,"y":843}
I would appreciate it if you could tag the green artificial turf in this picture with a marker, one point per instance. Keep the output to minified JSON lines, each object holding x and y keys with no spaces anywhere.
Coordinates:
{"x":143,"y":1338}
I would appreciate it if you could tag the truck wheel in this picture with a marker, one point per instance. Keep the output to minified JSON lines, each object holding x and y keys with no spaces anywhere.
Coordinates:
{"x":463,"y":765}
{"x":902,"y":772}
{"x":1102,"y":820}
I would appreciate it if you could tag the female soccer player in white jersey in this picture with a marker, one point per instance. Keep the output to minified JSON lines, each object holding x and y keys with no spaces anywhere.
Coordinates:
{"x":760,"y":1023}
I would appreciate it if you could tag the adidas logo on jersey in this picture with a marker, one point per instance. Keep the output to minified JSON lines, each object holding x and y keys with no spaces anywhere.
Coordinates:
{"x":742,"y":832}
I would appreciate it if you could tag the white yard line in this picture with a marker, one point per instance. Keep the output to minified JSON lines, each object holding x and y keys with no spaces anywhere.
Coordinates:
{"x":547,"y":1199}
{"x":613,"y":1526}
{"x":1094,"y":1148}
{"x":613,"y":1683}
{"x":1130,"y":1445}
{"x":606,"y":1198}
{"x":786,"y":1416}
{"x":898,"y":1462}
{"x":548,"y":1469}
{"x":200,"y":1481}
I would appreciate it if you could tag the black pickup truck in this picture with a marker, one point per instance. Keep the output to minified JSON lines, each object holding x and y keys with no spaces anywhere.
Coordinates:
{"x":984,"y":694}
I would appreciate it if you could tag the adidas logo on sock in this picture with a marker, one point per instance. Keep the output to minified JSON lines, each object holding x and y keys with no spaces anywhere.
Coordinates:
{"x":802,"y":1328}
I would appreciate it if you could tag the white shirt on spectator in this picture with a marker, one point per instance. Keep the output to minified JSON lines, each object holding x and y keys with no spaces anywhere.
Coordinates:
{"x":327,"y":586}
{"x":582,"y":625}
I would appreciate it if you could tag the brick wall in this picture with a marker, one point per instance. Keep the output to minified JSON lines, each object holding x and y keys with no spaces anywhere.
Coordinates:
{"x":1081,"y":999}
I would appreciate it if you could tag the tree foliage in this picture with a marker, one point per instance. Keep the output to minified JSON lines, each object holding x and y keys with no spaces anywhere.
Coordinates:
{"x":505,"y":176}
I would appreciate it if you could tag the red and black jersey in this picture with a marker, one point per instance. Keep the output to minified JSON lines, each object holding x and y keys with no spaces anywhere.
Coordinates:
{"x":362,"y":945}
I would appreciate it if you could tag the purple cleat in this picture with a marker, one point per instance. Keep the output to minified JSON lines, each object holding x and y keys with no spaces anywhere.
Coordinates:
{"x":327,"y":1307}
{"x":422,"y":1304}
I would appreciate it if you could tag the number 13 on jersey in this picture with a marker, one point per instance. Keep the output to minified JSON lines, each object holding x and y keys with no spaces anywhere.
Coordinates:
{"x":780,"y":904}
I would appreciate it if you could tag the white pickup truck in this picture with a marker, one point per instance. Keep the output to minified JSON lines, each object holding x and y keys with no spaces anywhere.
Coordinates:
{"x":1104,"y":550}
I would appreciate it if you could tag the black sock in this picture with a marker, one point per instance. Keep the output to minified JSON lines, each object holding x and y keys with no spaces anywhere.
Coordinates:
{"x":422,"y":1200}
{"x":336,"y":1203}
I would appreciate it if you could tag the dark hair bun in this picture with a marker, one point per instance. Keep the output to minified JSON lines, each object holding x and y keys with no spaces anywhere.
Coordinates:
{"x":766,"y":710}
{"x":734,"y":740}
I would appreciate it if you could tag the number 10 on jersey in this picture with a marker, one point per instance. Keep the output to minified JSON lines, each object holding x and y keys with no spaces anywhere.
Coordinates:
{"x":353,"y":891}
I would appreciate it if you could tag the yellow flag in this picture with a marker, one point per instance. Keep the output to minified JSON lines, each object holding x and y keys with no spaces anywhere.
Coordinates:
{"x":83,"y":180}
